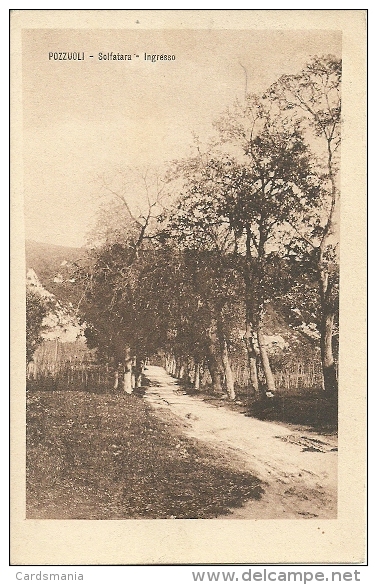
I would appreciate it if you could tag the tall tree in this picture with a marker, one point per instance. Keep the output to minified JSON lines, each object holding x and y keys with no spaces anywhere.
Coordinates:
{"x":248,"y":195}
{"x":126,"y":223}
{"x":313,"y":96}
{"x":213,"y":274}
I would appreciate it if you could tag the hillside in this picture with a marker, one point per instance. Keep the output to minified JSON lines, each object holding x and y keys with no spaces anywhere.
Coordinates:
{"x":53,"y":266}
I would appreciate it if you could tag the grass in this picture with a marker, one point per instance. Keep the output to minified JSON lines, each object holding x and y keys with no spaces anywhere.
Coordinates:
{"x":307,"y":407}
{"x":311,"y":409}
{"x":108,"y":456}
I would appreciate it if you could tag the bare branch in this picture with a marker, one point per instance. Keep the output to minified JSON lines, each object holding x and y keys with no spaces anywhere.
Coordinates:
{"x":302,"y":236}
{"x":246,"y":81}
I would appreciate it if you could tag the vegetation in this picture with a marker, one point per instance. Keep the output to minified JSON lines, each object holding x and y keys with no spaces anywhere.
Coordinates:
{"x":247,"y":223}
{"x":107,"y":456}
{"x":52,"y":264}
{"x":36,"y":310}
{"x":223,"y":269}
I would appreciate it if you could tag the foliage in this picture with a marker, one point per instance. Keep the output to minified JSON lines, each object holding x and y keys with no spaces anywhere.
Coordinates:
{"x":252,"y":222}
{"x":37,"y":309}
{"x":315,"y":96}
{"x":312,"y":409}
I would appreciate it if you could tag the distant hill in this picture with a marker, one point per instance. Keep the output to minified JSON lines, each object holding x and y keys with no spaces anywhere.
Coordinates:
{"x":53,"y":266}
{"x":43,"y":257}
{"x":61,"y":321}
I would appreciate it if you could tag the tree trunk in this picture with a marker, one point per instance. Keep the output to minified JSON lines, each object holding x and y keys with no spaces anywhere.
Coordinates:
{"x":116,"y":379}
{"x":188,"y":372}
{"x":128,"y":371}
{"x":215,"y":376}
{"x":197,"y":376}
{"x":328,"y":365}
{"x":138,"y":373}
{"x":252,"y":360}
{"x":326,"y":288}
{"x":213,"y":362}
{"x":265,"y":361}
{"x":177,"y":368}
{"x":229,"y":381}
{"x":326,"y":329}
{"x":214,"y":370}
{"x":171,"y":365}
{"x":181,"y":372}
{"x":254,"y":303}
{"x":138,"y":381}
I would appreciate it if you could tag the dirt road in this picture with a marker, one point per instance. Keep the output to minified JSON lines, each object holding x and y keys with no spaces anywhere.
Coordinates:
{"x":298,"y":469}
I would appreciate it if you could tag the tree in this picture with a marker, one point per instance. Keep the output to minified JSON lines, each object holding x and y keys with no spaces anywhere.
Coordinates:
{"x":313,"y":96}
{"x":248,"y":196}
{"x":197,"y":228}
{"x":36,"y":310}
{"x":124,"y":230}
{"x":265,"y":192}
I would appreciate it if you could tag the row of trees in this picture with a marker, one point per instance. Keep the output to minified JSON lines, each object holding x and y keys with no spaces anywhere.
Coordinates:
{"x":237,"y":226}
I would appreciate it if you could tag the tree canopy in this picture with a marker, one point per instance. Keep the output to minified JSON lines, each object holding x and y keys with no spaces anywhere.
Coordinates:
{"x":249,"y":221}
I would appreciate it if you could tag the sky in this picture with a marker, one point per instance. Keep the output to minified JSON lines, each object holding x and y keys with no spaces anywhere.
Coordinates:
{"x":83,"y":119}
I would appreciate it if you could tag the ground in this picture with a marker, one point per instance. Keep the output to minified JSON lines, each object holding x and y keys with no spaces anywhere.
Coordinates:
{"x":163,"y":454}
{"x":298,"y":468}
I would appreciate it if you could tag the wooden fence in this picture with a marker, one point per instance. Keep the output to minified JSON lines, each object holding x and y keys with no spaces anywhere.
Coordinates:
{"x":297,"y":376}
{"x":59,"y":366}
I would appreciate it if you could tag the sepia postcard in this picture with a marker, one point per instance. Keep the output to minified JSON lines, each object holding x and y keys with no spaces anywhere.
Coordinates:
{"x":188,"y":266}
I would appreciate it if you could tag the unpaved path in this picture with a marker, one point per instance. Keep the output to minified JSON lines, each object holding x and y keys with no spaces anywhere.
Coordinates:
{"x":299,"y":482}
